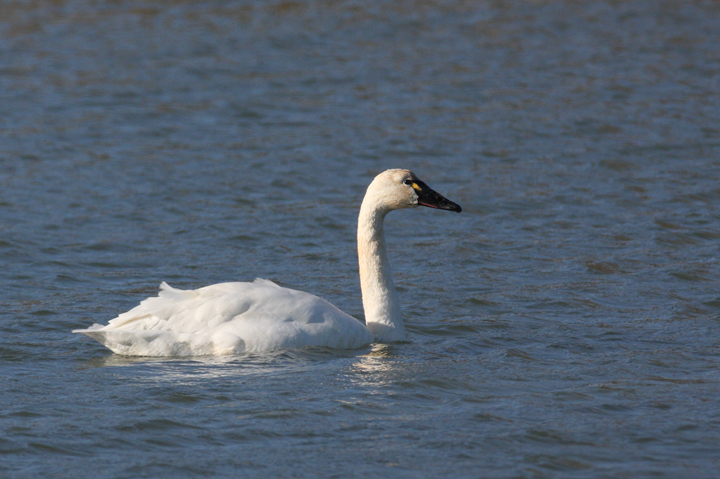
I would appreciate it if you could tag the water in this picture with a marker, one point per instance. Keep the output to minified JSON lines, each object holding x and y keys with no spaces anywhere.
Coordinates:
{"x":566,"y":324}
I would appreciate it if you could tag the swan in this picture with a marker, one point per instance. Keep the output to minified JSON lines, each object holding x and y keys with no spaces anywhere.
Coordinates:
{"x":260,"y":316}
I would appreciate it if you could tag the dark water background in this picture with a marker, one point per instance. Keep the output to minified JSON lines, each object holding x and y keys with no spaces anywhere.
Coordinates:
{"x":566,"y":324}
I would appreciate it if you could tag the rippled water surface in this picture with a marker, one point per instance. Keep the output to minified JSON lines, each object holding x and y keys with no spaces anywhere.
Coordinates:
{"x":566,"y":324}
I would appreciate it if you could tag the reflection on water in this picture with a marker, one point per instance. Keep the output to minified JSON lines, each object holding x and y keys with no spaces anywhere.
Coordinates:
{"x":373,"y":370}
{"x":380,"y":351}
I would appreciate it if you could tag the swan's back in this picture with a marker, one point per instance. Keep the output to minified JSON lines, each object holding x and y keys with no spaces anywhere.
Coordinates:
{"x":229,"y":318}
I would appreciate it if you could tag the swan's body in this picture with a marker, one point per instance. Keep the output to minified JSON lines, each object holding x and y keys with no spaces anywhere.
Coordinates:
{"x":230,"y":318}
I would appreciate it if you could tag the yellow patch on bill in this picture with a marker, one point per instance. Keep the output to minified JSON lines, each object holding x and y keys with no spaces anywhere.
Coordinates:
{"x":415,"y":185}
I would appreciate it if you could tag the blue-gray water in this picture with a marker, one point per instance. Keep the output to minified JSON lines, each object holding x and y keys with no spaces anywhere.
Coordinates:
{"x":566,"y":324}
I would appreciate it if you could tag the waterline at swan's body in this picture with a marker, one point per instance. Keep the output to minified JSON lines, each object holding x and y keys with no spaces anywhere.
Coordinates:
{"x":231,"y":318}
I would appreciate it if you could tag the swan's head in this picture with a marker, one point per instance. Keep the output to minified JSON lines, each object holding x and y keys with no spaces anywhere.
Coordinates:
{"x":396,"y":189}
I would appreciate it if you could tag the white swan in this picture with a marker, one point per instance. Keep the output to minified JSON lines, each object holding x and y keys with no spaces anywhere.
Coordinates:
{"x":230,"y":318}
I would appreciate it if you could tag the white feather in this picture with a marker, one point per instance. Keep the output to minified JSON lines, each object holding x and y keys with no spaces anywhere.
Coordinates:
{"x":229,"y":318}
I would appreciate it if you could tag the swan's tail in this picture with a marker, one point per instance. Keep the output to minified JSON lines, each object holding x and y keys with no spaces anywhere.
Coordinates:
{"x":161,"y":306}
{"x":129,"y":336}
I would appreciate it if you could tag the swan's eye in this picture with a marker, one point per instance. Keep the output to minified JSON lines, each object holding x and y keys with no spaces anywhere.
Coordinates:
{"x":408,"y":182}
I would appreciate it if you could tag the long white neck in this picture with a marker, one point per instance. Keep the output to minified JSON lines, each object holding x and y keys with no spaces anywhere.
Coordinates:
{"x":382,"y":310}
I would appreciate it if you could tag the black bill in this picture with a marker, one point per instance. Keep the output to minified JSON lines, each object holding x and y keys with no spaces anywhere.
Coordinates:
{"x":432,"y":199}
